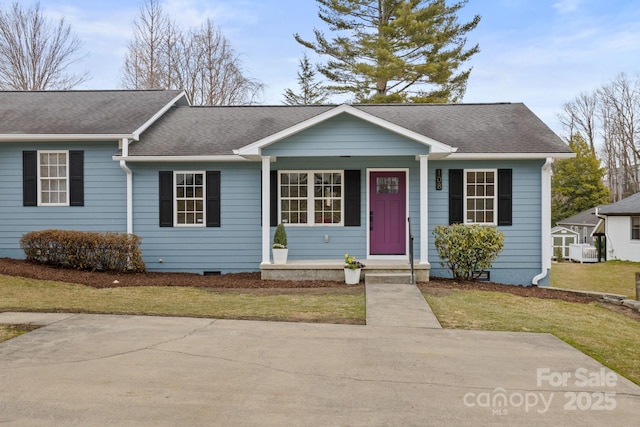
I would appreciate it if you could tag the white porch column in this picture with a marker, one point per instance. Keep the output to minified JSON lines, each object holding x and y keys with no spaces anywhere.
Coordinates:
{"x":266,"y":209}
{"x":424,"y":209}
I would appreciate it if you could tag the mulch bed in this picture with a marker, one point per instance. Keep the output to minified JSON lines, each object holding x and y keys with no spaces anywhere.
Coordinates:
{"x":15,"y":267}
{"x":97,"y":279}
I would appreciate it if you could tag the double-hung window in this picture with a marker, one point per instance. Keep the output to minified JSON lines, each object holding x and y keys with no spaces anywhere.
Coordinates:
{"x":311,"y":197}
{"x":635,"y":228}
{"x":53,"y":178}
{"x":189,"y":198}
{"x":480,"y":196}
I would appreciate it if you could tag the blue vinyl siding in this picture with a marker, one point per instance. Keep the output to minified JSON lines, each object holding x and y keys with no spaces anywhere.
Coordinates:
{"x":521,"y":259}
{"x":235,"y":246}
{"x":104,"y":193}
{"x":345,"y":135}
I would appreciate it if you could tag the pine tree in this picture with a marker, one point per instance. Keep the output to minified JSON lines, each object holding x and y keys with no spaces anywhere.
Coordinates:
{"x":394,"y":50}
{"x":311,"y":91}
{"x":577,"y":184}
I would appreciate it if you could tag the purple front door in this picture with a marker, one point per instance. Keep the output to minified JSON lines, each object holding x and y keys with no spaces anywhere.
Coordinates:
{"x":387,"y":213}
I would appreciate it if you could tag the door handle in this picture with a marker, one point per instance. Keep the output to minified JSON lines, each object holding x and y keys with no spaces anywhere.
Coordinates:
{"x":370,"y":220}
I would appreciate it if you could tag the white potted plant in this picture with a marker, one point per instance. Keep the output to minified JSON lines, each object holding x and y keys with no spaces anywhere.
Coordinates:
{"x":352,"y":269}
{"x":279,"y":248}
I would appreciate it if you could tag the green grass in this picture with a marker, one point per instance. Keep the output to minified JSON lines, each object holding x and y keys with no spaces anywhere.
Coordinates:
{"x":610,"y":338}
{"x":11,"y":331}
{"x":618,"y":277}
{"x":330,"y":305}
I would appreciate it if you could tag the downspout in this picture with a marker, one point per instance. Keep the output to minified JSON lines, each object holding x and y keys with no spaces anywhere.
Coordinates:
{"x":129,"y":173}
{"x":546,"y":220}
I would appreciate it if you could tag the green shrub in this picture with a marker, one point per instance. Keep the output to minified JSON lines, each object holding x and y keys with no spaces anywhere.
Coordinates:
{"x":84,"y":250}
{"x":467,"y":250}
{"x":280,"y":237}
{"x":558,"y":254}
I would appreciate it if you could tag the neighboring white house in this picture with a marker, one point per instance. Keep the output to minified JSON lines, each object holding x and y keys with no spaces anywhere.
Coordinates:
{"x":620,"y":223}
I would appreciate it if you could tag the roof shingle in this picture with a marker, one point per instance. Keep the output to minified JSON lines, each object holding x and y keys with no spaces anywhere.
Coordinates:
{"x":628,"y":206}
{"x":473,"y":128}
{"x":79,"y":112}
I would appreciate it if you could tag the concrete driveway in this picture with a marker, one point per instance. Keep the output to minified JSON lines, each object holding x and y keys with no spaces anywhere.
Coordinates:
{"x":96,"y":370}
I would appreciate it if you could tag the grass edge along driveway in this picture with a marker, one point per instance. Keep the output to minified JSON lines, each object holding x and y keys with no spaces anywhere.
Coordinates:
{"x":341,"y":305}
{"x":608,"y":337}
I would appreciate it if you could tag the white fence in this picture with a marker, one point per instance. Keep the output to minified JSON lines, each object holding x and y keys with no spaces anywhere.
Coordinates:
{"x":583,"y":252}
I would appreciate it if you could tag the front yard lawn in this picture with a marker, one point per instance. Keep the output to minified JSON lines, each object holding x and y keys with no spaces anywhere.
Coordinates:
{"x":327,"y":305}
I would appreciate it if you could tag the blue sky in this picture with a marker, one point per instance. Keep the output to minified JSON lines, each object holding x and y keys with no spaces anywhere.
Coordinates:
{"x":540,"y":52}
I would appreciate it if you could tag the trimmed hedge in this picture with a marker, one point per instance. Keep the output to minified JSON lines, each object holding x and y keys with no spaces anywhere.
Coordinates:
{"x":84,"y":250}
{"x":467,"y":250}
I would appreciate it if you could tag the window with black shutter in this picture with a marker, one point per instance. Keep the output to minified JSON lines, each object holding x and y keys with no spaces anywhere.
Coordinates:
{"x":53,"y":178}
{"x":480,"y":196}
{"x":189,"y":199}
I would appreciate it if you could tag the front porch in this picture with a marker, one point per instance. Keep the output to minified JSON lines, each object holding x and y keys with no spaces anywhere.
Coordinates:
{"x":334,"y":269}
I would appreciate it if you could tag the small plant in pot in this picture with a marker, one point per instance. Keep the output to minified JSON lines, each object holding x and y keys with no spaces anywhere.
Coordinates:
{"x":279,"y":247}
{"x":352,"y":269}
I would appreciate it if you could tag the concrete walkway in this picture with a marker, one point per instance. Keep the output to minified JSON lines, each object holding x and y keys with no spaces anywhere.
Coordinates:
{"x":399,"y":305}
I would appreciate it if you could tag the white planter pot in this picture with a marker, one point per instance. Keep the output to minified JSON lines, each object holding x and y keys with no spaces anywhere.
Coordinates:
{"x":280,"y":256}
{"x":352,"y":277}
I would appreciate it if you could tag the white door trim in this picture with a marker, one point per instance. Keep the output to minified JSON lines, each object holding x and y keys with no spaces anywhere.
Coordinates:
{"x":407,"y":210}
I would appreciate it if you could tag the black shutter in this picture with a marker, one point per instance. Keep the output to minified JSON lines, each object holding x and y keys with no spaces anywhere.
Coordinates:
{"x":30,"y":178}
{"x":76,"y":178}
{"x":213,"y":198}
{"x":273,"y":192}
{"x":505,"y":199}
{"x":352,"y":192}
{"x":166,"y":198}
{"x":456,"y":196}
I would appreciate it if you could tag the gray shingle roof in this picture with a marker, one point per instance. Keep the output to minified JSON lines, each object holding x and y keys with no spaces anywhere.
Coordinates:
{"x":628,"y":206}
{"x":587,"y":217}
{"x":473,"y":128}
{"x":192,"y":131}
{"x":79,"y":112}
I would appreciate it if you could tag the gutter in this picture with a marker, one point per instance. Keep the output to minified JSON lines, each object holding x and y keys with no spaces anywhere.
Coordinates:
{"x":546,"y":221}
{"x":129,"y":173}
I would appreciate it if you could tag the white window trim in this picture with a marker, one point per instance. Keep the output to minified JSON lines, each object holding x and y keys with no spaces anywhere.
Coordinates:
{"x":66,"y":153}
{"x":631,"y":229}
{"x":310,"y":198}
{"x":204,"y":199}
{"x":495,"y":197}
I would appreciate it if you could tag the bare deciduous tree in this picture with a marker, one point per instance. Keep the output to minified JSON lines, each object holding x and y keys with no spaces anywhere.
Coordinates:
{"x":580,"y":117}
{"x":35,"y":53}
{"x":610,"y":118}
{"x":620,"y":112}
{"x":201,"y":61}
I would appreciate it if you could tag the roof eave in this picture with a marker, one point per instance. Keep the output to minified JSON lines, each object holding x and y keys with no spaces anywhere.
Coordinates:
{"x":509,"y":156}
{"x":182,"y":159}
{"x":63,"y":137}
{"x":158,"y":114}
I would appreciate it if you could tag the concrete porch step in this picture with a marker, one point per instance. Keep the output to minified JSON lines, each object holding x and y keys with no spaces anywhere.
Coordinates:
{"x":388,"y":278}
